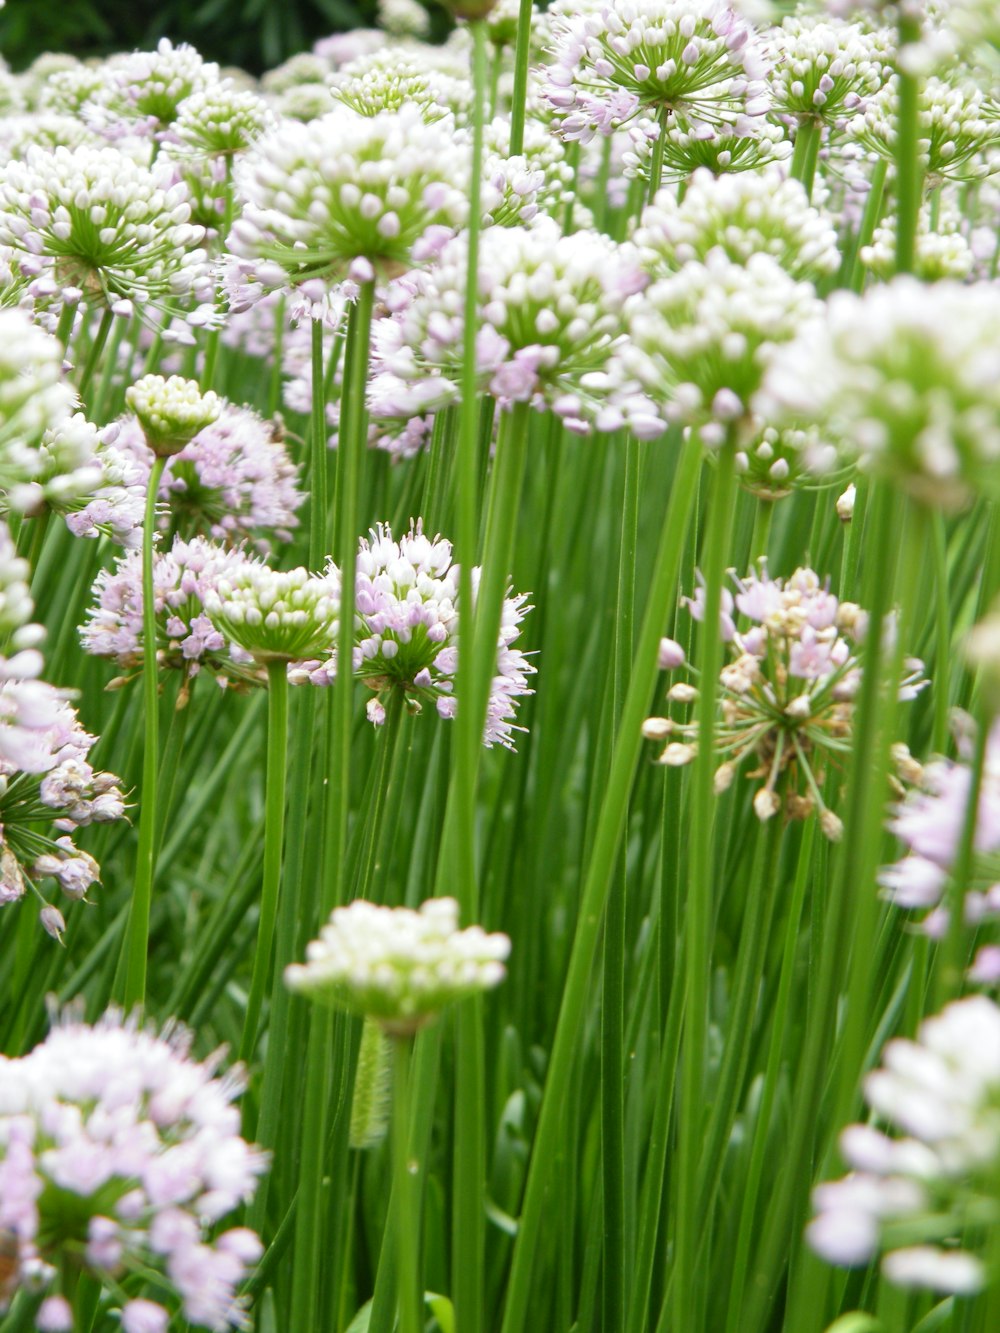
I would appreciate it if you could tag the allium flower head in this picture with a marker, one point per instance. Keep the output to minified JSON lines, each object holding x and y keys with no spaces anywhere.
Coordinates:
{"x":702,"y":338}
{"x":786,"y":692}
{"x":407,"y":627}
{"x":398,"y":966}
{"x":741,"y":215}
{"x":171,"y":411}
{"x":112,"y":227}
{"x":403,"y":18}
{"x":550,"y":315}
{"x":718,"y":149}
{"x":186,"y":639}
{"x":387,"y":80}
{"x":222,"y":120}
{"x":61,"y":472}
{"x":316,"y":199}
{"x":119,"y":1153}
{"x":958,"y":140}
{"x":826,"y":70}
{"x":906,"y":379}
{"x":33,"y":397}
{"x":927,"y":1199}
{"x":772,"y":462}
{"x":695,"y":59}
{"x":149,"y":87}
{"x":940,"y":253}
{"x":275,"y":615}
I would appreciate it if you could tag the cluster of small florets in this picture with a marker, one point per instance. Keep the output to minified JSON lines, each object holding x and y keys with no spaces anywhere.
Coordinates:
{"x":345,"y":195}
{"x":403,"y":18}
{"x":186,"y":639}
{"x":826,"y":70}
{"x":222,"y":120}
{"x":772,"y":462}
{"x":119,"y":1153}
{"x":786,"y":692}
{"x":171,"y":411}
{"x":958,"y":140}
{"x":232,"y":480}
{"x":695,"y":60}
{"x":275,"y":615}
{"x":144,"y":90}
{"x":741,"y":215}
{"x":550,"y":317}
{"x":398,"y":966}
{"x":940,"y":252}
{"x":926,"y":1201}
{"x":387,"y":80}
{"x":906,"y":380}
{"x":700,"y":340}
{"x":720,"y":150}
{"x":112,"y":227}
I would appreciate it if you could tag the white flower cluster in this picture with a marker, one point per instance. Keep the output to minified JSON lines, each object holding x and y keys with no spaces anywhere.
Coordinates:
{"x":826,"y":70}
{"x":958,"y":139}
{"x":275,"y":615}
{"x":939,"y":253}
{"x":222,"y":120}
{"x":120,"y":1153}
{"x":346,"y":195}
{"x":398,"y":966}
{"x":922,"y":1199}
{"x":387,"y":80}
{"x":145,"y":89}
{"x":716,"y":149}
{"x":742,"y":215}
{"x":111,"y":227}
{"x":694,"y":59}
{"x":700,"y":340}
{"x":171,"y":411}
{"x":403,"y":18}
{"x":906,"y":380}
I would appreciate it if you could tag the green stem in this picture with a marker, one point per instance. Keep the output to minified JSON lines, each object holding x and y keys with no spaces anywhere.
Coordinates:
{"x":277,"y":350}
{"x":950,"y":971}
{"x":656,"y":161}
{"x":909,"y":184}
{"x":408,"y":1212}
{"x":137,"y":935}
{"x":211,"y":362}
{"x":64,"y":329}
{"x":274,"y":833}
{"x":97,"y":411}
{"x":699,"y":911}
{"x":604,"y":851}
{"x":854,"y":278}
{"x":96,"y":348}
{"x":763,"y":514}
{"x":522,"y":57}
{"x":318,"y":453}
{"x":942,"y":620}
{"x":806,"y":153}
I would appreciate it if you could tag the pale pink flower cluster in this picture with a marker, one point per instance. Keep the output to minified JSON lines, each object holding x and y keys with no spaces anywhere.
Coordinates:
{"x":117,"y":1139}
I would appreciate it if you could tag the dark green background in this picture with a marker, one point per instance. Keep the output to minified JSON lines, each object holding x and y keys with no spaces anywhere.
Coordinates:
{"x":254,"y":34}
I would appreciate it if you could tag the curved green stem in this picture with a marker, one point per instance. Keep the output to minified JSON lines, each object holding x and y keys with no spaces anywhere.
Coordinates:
{"x":604,"y":851}
{"x":274,"y":835}
{"x":137,"y":935}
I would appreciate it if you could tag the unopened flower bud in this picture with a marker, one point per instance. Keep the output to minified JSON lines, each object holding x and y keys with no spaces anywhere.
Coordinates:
{"x":682,"y":693}
{"x":52,"y":922}
{"x":677,"y":755}
{"x":766,"y":804}
{"x":832,"y":826}
{"x":723,"y":779}
{"x":845,"y":504}
{"x":657,"y":728}
{"x":171,"y":411}
{"x":670,"y":655}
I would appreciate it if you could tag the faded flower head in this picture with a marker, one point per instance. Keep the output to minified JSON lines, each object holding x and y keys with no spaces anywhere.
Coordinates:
{"x":694,"y":59}
{"x":345,"y":195}
{"x":925,"y":1200}
{"x":702,"y":338}
{"x":275,"y":615}
{"x":120,"y":1153}
{"x":171,"y":411}
{"x":906,"y":381}
{"x":742,"y":215}
{"x":398,"y":966}
{"x":186,"y":639}
{"x":786,"y":692}
{"x":112,"y":227}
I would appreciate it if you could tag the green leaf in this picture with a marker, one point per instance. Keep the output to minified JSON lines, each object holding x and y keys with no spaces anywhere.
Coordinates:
{"x":857,"y":1321}
{"x":442,"y":1310}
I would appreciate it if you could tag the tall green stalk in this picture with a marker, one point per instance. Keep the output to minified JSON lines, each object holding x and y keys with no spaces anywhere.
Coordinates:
{"x":805,"y":155}
{"x":407,"y":1217}
{"x":136,"y":943}
{"x":699,"y":909}
{"x":522,"y":58}
{"x":274,"y":834}
{"x":604,"y":851}
{"x":909,"y":184}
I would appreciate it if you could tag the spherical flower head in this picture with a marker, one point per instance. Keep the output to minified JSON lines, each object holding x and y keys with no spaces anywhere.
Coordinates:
{"x":905,"y":380}
{"x":939,"y":254}
{"x":697,"y":60}
{"x":398,"y":966}
{"x":551,"y":313}
{"x":720,"y":149}
{"x":403,"y":18}
{"x":825,"y":70}
{"x":149,"y":87}
{"x":771,"y":463}
{"x":942,"y":1092}
{"x":741,"y":215}
{"x":118,"y":1151}
{"x":34,"y":398}
{"x":171,"y":411}
{"x":957,"y":137}
{"x":387,"y":80}
{"x":186,"y":639}
{"x":275,"y":615}
{"x":702,"y":338}
{"x":64,"y":469}
{"x":786,"y":691}
{"x":347,"y":192}
{"x":222,"y":120}
{"x":114,"y":228}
